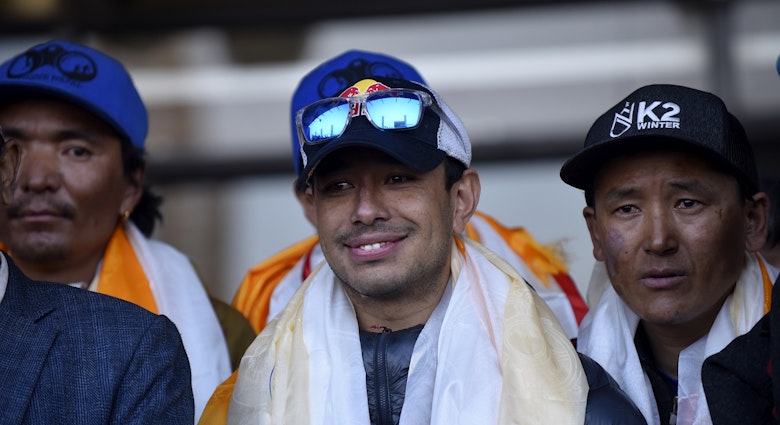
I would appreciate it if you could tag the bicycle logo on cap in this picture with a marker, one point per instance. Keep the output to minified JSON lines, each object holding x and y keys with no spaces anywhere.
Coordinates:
{"x":74,"y":65}
{"x":338,"y":80}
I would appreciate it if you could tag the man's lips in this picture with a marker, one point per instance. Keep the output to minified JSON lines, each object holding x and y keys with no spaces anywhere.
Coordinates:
{"x":38,"y":214}
{"x":39,"y":209}
{"x":373,"y":247}
{"x":663,"y":278}
{"x":32,"y":213}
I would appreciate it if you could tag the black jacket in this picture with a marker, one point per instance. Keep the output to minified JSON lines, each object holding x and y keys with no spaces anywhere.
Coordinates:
{"x":742,"y":381}
{"x":607,"y":403}
{"x":386,"y":359}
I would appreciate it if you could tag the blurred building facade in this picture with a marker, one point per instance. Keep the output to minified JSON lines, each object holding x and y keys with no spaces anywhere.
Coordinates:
{"x":527,"y":78}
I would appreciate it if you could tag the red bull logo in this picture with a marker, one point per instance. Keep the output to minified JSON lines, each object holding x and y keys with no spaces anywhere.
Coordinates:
{"x":360,"y":88}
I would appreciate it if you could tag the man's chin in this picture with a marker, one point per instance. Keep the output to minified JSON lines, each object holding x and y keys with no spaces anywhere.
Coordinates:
{"x":38,"y":251}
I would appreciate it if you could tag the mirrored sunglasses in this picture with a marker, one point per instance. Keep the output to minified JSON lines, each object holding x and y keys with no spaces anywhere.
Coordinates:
{"x":394,"y":109}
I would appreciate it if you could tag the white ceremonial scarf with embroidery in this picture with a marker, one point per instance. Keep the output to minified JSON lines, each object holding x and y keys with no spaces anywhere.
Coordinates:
{"x":607,"y":336}
{"x":180,"y":295}
{"x":493,"y":354}
{"x":292,"y":281}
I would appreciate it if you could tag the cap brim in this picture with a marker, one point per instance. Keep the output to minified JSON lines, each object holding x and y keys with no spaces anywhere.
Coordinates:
{"x":415,"y":154}
{"x":580,"y":170}
{"x":20,"y":89}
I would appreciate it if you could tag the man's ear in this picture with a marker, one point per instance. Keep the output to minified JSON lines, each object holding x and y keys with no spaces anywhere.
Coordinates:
{"x":590,"y":220}
{"x":134,"y":188}
{"x":306,"y":202}
{"x":466,"y":192}
{"x":757,"y":225}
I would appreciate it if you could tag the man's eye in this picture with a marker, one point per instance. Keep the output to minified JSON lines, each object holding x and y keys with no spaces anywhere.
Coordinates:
{"x":78,"y":151}
{"x":688,"y":203}
{"x":399,"y":179}
{"x":336,"y":186}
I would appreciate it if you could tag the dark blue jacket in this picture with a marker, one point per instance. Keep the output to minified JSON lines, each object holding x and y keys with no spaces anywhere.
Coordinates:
{"x":607,"y":403}
{"x":386,"y":358}
{"x":72,"y":356}
{"x":742,"y":382}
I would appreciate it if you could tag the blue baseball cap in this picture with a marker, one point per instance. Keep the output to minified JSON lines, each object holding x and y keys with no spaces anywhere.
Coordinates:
{"x":337,"y":74}
{"x":75,"y":73}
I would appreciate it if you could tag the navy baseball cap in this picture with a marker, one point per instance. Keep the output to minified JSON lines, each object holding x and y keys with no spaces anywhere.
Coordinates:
{"x":665,"y":116}
{"x":84,"y":76}
{"x":439,"y":134}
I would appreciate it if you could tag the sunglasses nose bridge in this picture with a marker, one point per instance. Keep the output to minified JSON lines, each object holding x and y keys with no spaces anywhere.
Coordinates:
{"x":355,"y":106}
{"x":392,"y":110}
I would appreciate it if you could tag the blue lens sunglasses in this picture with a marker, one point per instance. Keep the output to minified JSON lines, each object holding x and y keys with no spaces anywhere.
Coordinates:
{"x":393,"y":109}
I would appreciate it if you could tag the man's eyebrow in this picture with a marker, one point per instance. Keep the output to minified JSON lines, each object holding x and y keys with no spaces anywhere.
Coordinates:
{"x":10,"y":133}
{"x":689,"y":185}
{"x":684,"y":184}
{"x":75,"y":134}
{"x":619,"y":193}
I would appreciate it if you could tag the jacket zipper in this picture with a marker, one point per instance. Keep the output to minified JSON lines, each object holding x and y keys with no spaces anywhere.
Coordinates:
{"x":384,"y":411}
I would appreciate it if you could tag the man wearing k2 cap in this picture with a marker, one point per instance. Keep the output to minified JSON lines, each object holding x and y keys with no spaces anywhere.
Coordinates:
{"x":80,"y":212}
{"x":406,"y":321}
{"x":676,"y":221}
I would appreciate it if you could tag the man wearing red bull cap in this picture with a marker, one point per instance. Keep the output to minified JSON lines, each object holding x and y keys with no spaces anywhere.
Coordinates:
{"x":406,"y":321}
{"x":268,"y":286}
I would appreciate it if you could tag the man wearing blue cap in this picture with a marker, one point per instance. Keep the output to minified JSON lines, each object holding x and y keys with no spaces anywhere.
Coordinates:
{"x":406,"y":321}
{"x":268,"y":286}
{"x":72,"y":356}
{"x":677,"y":221}
{"x":79,"y":210}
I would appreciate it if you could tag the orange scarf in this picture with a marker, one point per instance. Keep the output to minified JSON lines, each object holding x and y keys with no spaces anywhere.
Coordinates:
{"x":253,"y":297}
{"x":122,"y":276}
{"x":542,"y":260}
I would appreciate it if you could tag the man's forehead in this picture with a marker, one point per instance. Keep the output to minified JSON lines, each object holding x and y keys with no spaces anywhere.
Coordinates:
{"x":688,"y":168}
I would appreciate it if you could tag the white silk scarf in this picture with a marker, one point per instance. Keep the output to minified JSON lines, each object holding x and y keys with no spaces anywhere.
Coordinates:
{"x":491,"y":353}
{"x":180,"y":295}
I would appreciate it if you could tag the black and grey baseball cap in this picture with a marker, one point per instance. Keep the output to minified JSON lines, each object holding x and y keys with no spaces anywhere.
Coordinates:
{"x":670,"y":117}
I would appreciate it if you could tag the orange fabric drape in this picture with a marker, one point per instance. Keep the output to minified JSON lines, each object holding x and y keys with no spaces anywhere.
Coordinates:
{"x":541,"y":260}
{"x":253,"y":297}
{"x":122,"y":276}
{"x":767,"y":284}
{"x":216,"y":410}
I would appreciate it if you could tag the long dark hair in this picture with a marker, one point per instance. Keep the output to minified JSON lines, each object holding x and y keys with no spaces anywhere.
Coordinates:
{"x":147,"y":212}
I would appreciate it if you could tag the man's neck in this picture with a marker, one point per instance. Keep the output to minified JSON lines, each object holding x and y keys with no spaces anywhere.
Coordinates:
{"x":668,"y":341}
{"x":59,"y":273}
{"x":381,"y":315}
